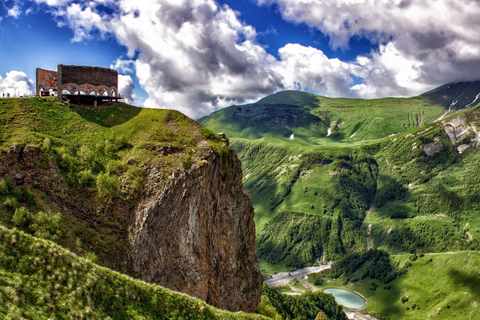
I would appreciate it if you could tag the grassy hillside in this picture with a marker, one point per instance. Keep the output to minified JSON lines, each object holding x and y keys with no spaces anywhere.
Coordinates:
{"x":41,"y":280}
{"x":430,"y":286}
{"x":414,"y":191}
{"x":319,"y":120}
{"x":457,"y":95}
{"x":72,"y":173}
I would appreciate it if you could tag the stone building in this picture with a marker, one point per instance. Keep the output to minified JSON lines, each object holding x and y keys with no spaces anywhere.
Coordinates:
{"x":80,"y":84}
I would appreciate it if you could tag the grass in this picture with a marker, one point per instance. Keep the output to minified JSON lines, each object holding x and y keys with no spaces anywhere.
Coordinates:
{"x":41,"y":280}
{"x":309,"y":118}
{"x":420,"y":202}
{"x":371,"y":178}
{"x":89,"y":164}
{"x":436,"y":286}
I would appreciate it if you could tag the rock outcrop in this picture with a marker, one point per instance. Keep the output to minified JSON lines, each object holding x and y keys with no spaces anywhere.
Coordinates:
{"x":192,"y":232}
{"x":196,"y":234}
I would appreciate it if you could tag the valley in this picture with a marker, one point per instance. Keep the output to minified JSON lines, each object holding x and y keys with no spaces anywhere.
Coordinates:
{"x":346,"y":184}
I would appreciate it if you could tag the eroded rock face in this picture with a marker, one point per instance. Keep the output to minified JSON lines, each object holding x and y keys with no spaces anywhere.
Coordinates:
{"x":195,"y":234}
{"x":192,"y":232}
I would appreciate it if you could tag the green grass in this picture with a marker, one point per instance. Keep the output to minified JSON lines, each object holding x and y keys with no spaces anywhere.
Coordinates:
{"x":377,"y":189}
{"x":89,"y":164}
{"x":41,"y":280}
{"x":437,"y":285}
{"x":440,"y":285}
{"x":419,"y":202}
{"x":309,"y":117}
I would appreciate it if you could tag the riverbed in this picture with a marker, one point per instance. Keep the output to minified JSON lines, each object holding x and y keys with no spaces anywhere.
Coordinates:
{"x":283,"y":278}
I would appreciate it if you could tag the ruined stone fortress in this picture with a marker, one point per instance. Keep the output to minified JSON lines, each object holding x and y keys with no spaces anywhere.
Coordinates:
{"x":79,"y":84}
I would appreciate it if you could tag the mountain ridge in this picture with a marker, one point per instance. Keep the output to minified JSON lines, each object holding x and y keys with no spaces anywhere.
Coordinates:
{"x":320,"y":120}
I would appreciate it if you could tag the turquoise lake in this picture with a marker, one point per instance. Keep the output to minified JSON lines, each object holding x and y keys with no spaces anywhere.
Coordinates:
{"x":346,"y":298}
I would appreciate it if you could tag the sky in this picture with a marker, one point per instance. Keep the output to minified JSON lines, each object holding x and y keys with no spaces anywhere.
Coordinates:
{"x":198,"y":56}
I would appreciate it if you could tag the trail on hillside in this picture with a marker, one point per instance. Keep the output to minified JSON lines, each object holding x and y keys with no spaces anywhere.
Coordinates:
{"x":283,"y":278}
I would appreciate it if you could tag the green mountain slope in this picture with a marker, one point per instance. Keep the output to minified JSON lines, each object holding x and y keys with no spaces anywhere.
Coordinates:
{"x":457,"y":95}
{"x":412,"y":191}
{"x":320,"y":120}
{"x":431,"y":286}
{"x":41,"y":280}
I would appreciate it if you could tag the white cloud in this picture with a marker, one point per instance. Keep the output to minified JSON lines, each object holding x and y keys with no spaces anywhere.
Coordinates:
{"x":125,"y":88}
{"x":16,"y":83}
{"x":83,"y":21}
{"x":309,"y":69}
{"x":421,"y":43}
{"x":54,"y":2}
{"x":197,"y":56}
{"x":14,"y":11}
{"x":194,"y":56}
{"x":125,"y":66}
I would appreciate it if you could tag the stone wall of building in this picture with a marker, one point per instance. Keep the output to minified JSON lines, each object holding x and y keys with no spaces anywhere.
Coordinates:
{"x":91,"y":75}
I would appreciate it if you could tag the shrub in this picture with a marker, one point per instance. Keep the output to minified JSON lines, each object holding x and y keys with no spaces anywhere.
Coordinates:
{"x":108,"y":186}
{"x":87,"y":155}
{"x":24,"y":195}
{"x":187,"y":160}
{"x":86,"y":178}
{"x":116,"y":167}
{"x":5,"y":185}
{"x":22,"y":218}
{"x":47,"y":226}
{"x":92,"y":257}
{"x":11,"y":203}
{"x":47,"y":144}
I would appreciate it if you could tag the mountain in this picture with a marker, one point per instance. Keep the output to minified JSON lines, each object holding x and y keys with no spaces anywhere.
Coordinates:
{"x":320,"y":120}
{"x":402,"y":179}
{"x":149,"y":193}
{"x":458,"y":95}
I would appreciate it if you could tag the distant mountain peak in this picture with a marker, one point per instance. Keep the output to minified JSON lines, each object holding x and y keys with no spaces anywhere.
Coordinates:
{"x":456,"y":95}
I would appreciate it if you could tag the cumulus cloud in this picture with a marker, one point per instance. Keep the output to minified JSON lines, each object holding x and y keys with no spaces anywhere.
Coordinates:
{"x":197,"y":56}
{"x":194,"y":56}
{"x":84,"y":20}
{"x":421,"y":43}
{"x":125,"y":88}
{"x":16,"y":83}
{"x":14,"y":11}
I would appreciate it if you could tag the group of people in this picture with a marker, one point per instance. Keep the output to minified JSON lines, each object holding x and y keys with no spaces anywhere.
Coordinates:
{"x":8,"y":94}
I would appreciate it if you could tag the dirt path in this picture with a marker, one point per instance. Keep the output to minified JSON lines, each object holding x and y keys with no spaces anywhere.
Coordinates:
{"x":283,"y":278}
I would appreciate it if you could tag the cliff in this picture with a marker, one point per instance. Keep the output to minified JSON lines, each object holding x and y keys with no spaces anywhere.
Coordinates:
{"x":196,"y":235}
{"x":149,"y":193}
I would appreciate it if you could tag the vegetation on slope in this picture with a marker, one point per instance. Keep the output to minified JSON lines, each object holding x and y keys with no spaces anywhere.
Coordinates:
{"x":86,"y":165}
{"x":41,"y":280}
{"x":319,"y":120}
{"x":428,"y":286}
{"x":326,"y":198}
{"x":399,"y":194}
{"x":304,"y":307}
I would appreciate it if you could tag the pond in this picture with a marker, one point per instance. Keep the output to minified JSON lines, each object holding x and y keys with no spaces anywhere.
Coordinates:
{"x":346,"y":298}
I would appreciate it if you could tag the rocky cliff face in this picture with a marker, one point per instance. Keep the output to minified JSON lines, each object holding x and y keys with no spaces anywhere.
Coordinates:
{"x":192,"y":232}
{"x":196,"y":234}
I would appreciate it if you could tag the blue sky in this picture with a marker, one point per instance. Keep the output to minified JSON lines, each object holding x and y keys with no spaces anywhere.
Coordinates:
{"x":197,"y":56}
